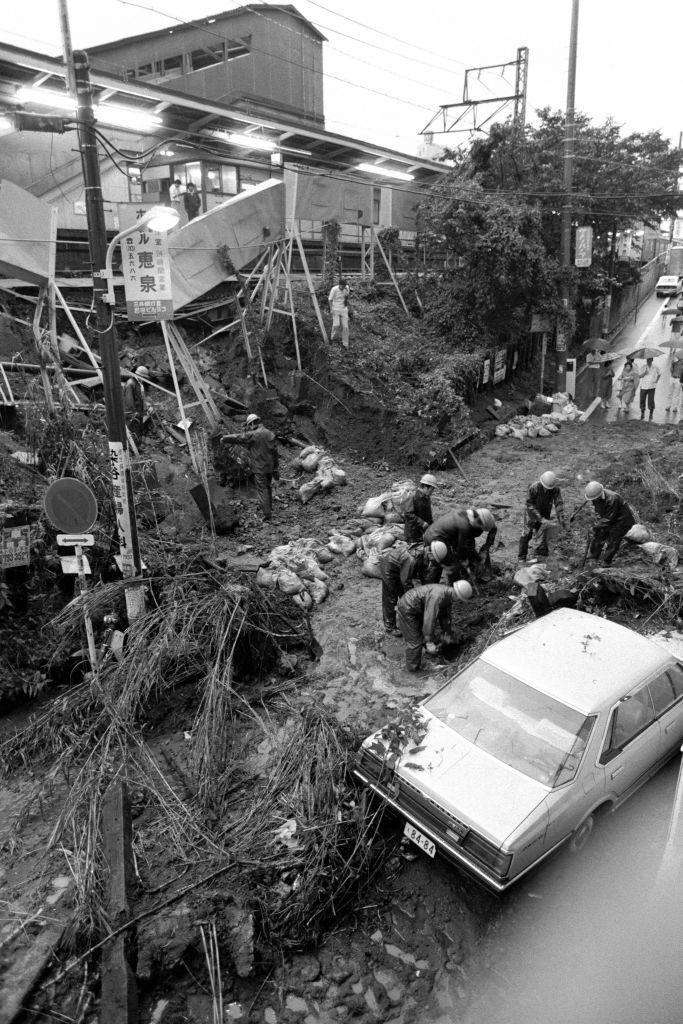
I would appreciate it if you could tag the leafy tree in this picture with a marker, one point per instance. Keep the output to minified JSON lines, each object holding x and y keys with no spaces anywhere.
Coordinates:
{"x":497,"y":267}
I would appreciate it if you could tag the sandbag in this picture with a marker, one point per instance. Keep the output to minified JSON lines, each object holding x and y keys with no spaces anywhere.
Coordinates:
{"x":318,"y":590}
{"x":376,"y":506}
{"x":660,"y":554}
{"x":308,"y":450}
{"x":370,"y":567}
{"x":341,"y":545}
{"x":309,"y":490}
{"x":638,"y":534}
{"x":312,"y":571}
{"x":502,"y":430}
{"x":310,"y":463}
{"x":543,"y":432}
{"x":324,"y":555}
{"x":266,"y":578}
{"x":400,"y":492}
{"x":531,"y":574}
{"x":339,"y":477}
{"x":304,"y":600}
{"x":393,"y":517}
{"x":355,"y":529}
{"x":289,"y":582}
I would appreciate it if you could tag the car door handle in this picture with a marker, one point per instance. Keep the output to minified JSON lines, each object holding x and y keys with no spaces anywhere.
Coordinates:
{"x":616,"y":772}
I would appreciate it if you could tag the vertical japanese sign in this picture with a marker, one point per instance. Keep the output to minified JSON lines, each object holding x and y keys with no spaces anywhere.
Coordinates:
{"x":499,"y":365}
{"x":624,"y":246}
{"x":119,"y":467}
{"x":15,"y":546}
{"x":147,"y":275}
{"x":583,"y":256}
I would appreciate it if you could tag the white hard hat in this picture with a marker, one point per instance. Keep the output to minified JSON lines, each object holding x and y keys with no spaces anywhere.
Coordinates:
{"x":486,"y":518}
{"x":594,"y":490}
{"x":463,"y":589}
{"x":429,"y":480}
{"x":142,"y":371}
{"x":439,"y":550}
{"x":253,"y":418}
{"x":548,"y":479}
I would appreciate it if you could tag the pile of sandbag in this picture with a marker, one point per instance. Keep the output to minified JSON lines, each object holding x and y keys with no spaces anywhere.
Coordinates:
{"x":327,"y":474}
{"x":294,"y":569}
{"x":537,"y":426}
{"x":653,"y":551}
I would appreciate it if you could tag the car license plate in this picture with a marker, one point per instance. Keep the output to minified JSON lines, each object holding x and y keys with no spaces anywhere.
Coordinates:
{"x":416,"y":837}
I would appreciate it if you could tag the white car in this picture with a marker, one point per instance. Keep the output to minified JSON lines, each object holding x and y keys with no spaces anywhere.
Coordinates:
{"x":514,"y":756}
{"x":669,"y":284}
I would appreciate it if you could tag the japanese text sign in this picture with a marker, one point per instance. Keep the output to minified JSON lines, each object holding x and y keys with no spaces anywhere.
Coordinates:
{"x":147,"y":275}
{"x":15,"y":546}
{"x":584,"y":247}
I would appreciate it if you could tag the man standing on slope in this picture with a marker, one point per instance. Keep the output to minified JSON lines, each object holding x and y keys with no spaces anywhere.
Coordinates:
{"x":338,"y":300}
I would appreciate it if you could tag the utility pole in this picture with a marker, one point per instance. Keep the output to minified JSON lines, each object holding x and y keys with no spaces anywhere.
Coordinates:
{"x":119,"y":460}
{"x":566,"y":223}
{"x":67,"y":48}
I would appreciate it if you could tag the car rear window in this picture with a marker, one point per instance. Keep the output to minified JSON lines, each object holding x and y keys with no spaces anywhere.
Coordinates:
{"x":514,"y":722}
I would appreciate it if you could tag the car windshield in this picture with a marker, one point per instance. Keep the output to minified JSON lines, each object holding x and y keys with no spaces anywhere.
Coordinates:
{"x":516,"y":723}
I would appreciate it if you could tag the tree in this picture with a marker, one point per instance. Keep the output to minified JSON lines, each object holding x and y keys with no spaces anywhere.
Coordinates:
{"x":497,"y":267}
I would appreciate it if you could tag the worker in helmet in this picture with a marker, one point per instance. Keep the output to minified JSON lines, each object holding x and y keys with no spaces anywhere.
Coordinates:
{"x":263,"y":453}
{"x":417,"y":509}
{"x":458,"y":530}
{"x":615,"y":519}
{"x":402,"y":568}
{"x":424,"y":616}
{"x":541,"y":497}
{"x":134,"y":402}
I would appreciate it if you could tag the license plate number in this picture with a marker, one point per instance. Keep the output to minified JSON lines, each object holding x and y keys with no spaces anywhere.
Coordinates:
{"x":416,"y":837}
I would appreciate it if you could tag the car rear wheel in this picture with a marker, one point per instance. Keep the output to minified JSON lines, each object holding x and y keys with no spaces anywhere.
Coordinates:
{"x":582,"y":834}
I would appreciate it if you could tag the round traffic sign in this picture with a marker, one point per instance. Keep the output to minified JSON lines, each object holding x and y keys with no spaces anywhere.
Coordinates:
{"x":70,"y":505}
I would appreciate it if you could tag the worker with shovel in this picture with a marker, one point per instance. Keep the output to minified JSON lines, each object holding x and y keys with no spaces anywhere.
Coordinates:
{"x":424,"y":614}
{"x":615,"y":519}
{"x":263,"y":453}
{"x":542,"y":496}
{"x":403,"y":568}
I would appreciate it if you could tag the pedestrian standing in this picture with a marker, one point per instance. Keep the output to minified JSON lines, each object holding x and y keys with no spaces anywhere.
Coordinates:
{"x":649,"y":376}
{"x":615,"y":519}
{"x":262,"y":446}
{"x":176,"y":192}
{"x":402,"y":568}
{"x":674,"y":383}
{"x":424,"y":615}
{"x":338,"y":301}
{"x":458,"y":530}
{"x":542,"y":496}
{"x":606,"y":381}
{"x":628,"y":385}
{"x":192,"y":201}
{"x":417,"y":509}
{"x":593,"y":366}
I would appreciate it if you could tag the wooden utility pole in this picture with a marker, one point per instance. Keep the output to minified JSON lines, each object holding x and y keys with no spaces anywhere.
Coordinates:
{"x":566,"y":224}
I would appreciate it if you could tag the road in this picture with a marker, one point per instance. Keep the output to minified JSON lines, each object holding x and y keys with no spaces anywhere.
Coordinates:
{"x":585,"y":939}
{"x":649,"y":328}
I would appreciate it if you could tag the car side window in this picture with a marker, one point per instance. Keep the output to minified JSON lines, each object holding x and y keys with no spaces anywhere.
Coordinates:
{"x":666,"y":689}
{"x":631,"y":715}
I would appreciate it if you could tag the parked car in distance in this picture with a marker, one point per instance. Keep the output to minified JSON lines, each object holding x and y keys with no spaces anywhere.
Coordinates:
{"x":513,"y":757}
{"x":669,"y":284}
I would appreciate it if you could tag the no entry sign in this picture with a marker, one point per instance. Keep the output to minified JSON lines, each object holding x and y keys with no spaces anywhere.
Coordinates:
{"x":70,"y":505}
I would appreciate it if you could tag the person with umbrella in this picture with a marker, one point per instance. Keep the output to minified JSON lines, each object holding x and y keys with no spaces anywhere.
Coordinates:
{"x":649,"y":377}
{"x":628,"y":385}
{"x":594,"y":367}
{"x":675,"y":383}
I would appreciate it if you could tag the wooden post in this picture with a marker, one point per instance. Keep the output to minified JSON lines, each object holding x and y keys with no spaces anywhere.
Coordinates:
{"x":179,"y":397}
{"x":119,"y":1001}
{"x":311,"y":288}
{"x":392,"y":275}
{"x":288,"y":282}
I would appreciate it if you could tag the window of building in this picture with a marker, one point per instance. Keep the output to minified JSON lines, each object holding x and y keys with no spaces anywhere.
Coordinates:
{"x":145,"y":70}
{"x":250,"y":176}
{"x":237,"y":47}
{"x":229,"y":180}
{"x":172,"y":66}
{"x":213,"y":178}
{"x":376,"y":200}
{"x":190,"y":172}
{"x":207,"y":57}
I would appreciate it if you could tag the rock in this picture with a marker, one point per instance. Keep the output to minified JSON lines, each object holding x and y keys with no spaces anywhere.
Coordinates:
{"x":308,"y":967}
{"x":376,"y":936}
{"x":445,"y":991}
{"x":241,"y":938}
{"x":164,"y":938}
{"x":396,"y":994}
{"x":399,"y":954}
{"x":341,"y":970}
{"x":357,"y":988}
{"x":234,"y":1011}
{"x":269,"y":1015}
{"x":295,"y":1004}
{"x":391,"y":983}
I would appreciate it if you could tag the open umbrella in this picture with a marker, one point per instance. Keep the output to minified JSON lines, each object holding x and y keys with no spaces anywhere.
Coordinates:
{"x":591,"y":343}
{"x":643,"y":353}
{"x":674,"y":343}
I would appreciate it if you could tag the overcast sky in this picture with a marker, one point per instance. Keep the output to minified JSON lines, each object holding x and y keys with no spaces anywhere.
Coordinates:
{"x":415,"y":54}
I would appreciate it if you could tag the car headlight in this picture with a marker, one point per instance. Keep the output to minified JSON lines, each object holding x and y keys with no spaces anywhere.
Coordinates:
{"x":487,"y":853}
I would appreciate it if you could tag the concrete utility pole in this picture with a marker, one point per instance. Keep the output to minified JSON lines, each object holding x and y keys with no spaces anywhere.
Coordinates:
{"x":566,"y":224}
{"x":67,"y":48}
{"x":119,"y":460}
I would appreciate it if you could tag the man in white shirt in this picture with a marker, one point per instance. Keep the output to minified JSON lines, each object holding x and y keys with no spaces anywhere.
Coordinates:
{"x":176,"y":191}
{"x":649,"y":376}
{"x":593,"y":366}
{"x":338,"y":300}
